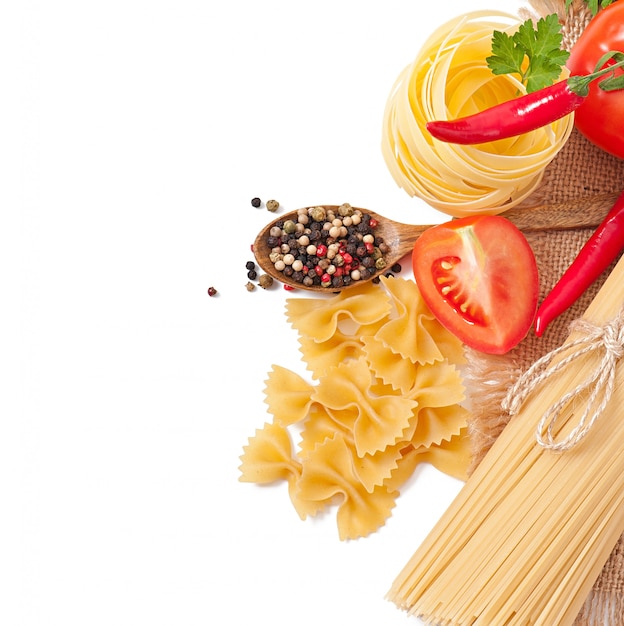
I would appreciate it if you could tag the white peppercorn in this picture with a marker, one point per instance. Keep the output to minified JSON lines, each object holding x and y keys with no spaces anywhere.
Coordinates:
{"x":334,"y":232}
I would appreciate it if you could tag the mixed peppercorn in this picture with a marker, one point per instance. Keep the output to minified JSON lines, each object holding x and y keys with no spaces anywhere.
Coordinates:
{"x":326,"y":247}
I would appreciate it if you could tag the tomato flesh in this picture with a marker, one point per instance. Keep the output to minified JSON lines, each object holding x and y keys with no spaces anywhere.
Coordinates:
{"x":600,"y":118}
{"x":479,"y":277}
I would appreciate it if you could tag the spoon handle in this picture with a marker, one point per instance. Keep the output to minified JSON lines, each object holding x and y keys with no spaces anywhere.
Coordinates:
{"x":586,"y":213}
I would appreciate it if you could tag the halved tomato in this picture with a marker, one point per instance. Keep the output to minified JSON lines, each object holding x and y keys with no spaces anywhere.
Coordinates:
{"x":479,"y":277}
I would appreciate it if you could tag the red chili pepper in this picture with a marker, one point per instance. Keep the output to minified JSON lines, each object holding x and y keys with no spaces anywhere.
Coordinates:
{"x":601,"y":249}
{"x":528,"y":112}
{"x":510,"y":118}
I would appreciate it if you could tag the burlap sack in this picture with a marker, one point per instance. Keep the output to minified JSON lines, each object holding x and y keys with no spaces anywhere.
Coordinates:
{"x":578,"y":188}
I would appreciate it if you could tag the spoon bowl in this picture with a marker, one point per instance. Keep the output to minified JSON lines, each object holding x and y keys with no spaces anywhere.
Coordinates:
{"x":399,"y":238}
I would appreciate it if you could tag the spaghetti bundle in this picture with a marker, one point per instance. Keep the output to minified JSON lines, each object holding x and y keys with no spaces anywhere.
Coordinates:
{"x":529,"y":533}
{"x":449,"y":78}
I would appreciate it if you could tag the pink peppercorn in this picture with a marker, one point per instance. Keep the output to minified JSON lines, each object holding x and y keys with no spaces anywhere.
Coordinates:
{"x":321,"y":250}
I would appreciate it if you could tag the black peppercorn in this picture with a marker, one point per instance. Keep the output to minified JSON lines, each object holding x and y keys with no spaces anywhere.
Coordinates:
{"x":256,"y":202}
{"x":252,"y":274}
{"x":250,"y":265}
{"x":396,"y":268}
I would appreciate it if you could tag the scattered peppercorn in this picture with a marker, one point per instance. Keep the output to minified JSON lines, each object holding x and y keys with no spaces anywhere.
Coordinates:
{"x":265,"y":281}
{"x":250,"y":286}
{"x":212,"y":291}
{"x":252,"y":274}
{"x":289,"y":287}
{"x":396,"y":268}
{"x":272,"y":205}
{"x":250,"y":265}
{"x":256,"y":202}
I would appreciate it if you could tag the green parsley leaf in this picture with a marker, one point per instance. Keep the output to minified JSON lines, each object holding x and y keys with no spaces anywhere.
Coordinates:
{"x":534,"y":53}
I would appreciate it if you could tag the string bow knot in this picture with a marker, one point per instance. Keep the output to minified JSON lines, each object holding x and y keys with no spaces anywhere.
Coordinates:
{"x":599,"y":383}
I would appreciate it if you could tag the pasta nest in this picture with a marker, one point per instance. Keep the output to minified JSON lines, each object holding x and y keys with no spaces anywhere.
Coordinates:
{"x":449,"y":79}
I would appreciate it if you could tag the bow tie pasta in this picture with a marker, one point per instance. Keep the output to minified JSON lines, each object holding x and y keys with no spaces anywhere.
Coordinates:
{"x":386,"y":396}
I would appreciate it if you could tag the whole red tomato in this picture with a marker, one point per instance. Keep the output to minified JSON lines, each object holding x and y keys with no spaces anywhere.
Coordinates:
{"x":601,"y":116}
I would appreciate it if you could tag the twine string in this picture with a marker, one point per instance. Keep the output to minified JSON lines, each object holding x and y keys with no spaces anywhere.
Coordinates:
{"x":600,"y":382}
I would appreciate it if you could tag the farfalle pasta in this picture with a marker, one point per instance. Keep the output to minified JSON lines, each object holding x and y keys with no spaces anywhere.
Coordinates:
{"x":413,"y":332}
{"x":288,"y":396}
{"x":327,"y":473}
{"x":386,"y":396}
{"x":319,"y":319}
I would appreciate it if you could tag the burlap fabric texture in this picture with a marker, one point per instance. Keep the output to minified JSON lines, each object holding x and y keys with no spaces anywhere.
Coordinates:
{"x":582,"y":180}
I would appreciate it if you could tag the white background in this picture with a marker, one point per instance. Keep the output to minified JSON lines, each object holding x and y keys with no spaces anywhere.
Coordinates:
{"x":133,"y":136}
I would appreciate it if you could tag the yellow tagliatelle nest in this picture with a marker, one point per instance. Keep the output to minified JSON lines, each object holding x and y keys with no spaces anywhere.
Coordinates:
{"x":386,"y":397}
{"x":448,"y":79}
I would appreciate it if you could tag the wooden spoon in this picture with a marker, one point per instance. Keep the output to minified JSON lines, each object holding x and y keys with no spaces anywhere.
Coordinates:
{"x":400,"y":237}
